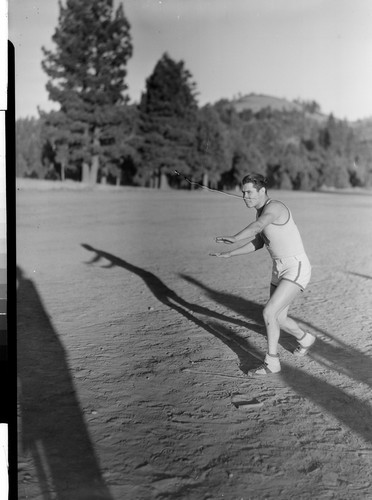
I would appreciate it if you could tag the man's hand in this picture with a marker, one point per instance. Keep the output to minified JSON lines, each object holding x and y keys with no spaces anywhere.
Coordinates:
{"x":224,"y":255}
{"x":226,"y":239}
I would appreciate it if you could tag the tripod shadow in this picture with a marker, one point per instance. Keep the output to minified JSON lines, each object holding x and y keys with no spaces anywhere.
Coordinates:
{"x":248,"y":355}
{"x":347,"y":409}
{"x":51,"y":425}
{"x":341,"y":357}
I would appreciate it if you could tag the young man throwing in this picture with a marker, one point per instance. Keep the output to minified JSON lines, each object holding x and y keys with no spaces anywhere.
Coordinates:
{"x":275,"y":228}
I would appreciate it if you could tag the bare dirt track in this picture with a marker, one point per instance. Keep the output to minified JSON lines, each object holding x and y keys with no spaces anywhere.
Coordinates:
{"x":133,"y":341}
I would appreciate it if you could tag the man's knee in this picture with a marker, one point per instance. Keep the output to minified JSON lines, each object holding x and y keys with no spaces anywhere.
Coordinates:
{"x":269,"y":314}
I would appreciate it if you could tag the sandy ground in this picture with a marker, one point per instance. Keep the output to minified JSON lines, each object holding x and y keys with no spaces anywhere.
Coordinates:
{"x":133,"y":344}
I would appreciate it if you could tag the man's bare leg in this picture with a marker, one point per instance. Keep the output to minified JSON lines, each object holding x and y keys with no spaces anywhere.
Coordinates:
{"x":288,"y":324}
{"x":279,"y":301}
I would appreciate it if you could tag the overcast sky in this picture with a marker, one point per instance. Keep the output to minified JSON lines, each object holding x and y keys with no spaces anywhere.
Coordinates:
{"x":308,"y":49}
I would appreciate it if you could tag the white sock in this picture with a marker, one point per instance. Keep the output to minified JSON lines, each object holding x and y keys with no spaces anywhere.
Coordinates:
{"x":306,"y":340}
{"x":272,"y":362}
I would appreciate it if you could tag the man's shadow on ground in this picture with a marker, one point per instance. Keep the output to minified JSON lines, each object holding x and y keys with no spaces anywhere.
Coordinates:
{"x":51,"y":424}
{"x":346,"y":409}
{"x":248,"y":355}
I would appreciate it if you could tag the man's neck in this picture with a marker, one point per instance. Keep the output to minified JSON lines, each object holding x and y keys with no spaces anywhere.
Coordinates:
{"x":262,"y":203}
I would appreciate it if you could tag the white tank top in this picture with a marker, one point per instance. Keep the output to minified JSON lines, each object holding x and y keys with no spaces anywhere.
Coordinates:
{"x":282,"y":240}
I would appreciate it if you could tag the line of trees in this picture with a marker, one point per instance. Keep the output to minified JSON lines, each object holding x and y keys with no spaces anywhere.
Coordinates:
{"x":98,"y":136}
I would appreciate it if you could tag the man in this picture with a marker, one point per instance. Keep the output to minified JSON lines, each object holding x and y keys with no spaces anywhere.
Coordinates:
{"x":275,"y":228}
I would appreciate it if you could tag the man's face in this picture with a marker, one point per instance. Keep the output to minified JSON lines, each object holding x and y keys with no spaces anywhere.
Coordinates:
{"x":251,"y":196}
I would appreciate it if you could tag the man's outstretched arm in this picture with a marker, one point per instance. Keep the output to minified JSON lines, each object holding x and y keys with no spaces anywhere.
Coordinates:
{"x":269,"y":216}
{"x":249,"y":247}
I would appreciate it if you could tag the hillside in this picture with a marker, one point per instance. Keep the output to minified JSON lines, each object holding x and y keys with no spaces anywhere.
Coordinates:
{"x":363,"y":128}
{"x":363,"y":133}
{"x":257,"y":102}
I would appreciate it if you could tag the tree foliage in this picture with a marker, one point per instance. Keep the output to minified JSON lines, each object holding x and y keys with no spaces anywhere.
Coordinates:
{"x":211,"y":155}
{"x":167,"y":121}
{"x":87,"y":72}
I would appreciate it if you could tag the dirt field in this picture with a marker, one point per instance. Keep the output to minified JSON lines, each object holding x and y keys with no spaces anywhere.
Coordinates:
{"x":133,"y":342}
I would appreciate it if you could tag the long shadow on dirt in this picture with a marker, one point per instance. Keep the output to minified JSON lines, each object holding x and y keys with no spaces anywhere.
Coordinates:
{"x":51,"y":427}
{"x":348,"y":410}
{"x":244,"y":307}
{"x":328,"y":351}
{"x":248,"y":355}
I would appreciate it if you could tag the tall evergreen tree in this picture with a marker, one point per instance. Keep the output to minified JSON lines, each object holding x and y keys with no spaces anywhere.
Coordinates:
{"x":87,"y":78}
{"x":168,"y":112}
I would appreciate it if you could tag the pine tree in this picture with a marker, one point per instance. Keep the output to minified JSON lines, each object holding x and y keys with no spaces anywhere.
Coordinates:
{"x":168,"y":112}
{"x":87,"y":78}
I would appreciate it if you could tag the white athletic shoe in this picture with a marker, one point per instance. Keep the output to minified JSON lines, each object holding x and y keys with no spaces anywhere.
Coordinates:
{"x":269,"y":366}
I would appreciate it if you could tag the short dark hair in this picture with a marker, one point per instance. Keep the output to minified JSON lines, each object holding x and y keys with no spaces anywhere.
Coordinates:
{"x":259,"y":181}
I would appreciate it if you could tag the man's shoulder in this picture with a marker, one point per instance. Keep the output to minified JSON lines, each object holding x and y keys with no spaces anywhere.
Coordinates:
{"x":275,"y":205}
{"x":277,"y":208}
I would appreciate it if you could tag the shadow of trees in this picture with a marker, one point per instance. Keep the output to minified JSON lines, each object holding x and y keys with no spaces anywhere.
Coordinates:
{"x":51,"y":425}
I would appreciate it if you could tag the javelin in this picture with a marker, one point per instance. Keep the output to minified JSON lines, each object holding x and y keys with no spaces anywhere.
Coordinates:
{"x":206,"y":187}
